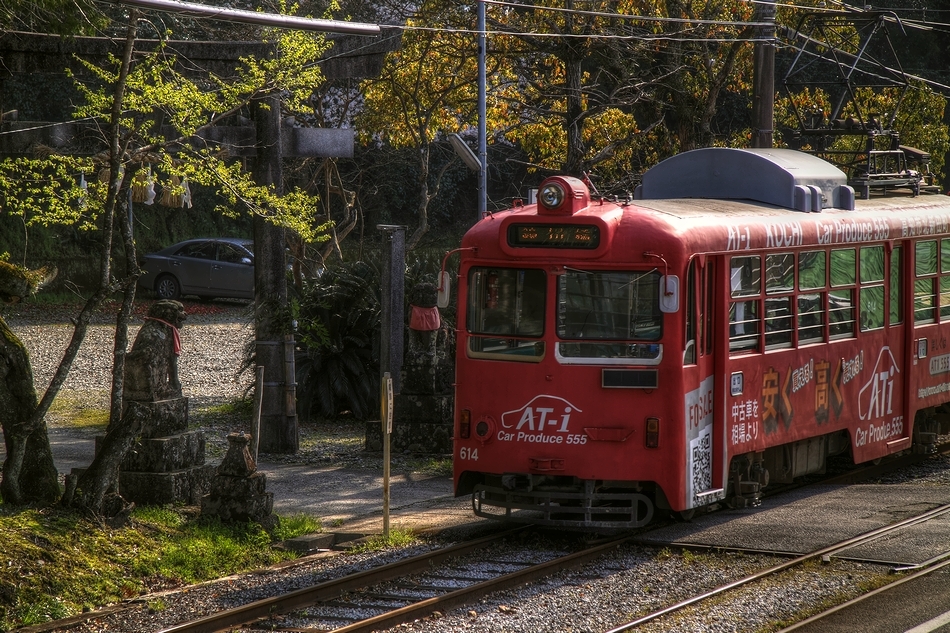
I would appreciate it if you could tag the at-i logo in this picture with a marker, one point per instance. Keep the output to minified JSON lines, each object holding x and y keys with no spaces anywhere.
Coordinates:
{"x":876,"y":398}
{"x":543,"y":412}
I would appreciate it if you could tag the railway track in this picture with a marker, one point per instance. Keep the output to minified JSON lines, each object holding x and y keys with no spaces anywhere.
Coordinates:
{"x":442,"y":580}
{"x":402,"y":591}
{"x":823,"y":554}
{"x":920,"y":571}
{"x":385,"y":591}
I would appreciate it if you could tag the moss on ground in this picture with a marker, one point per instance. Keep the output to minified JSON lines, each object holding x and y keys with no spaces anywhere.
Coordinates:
{"x":60,"y":563}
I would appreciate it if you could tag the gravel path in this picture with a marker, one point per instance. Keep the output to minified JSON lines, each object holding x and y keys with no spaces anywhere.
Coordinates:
{"x":213,"y":340}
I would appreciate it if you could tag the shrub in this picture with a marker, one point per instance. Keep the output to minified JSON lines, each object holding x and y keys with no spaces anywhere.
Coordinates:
{"x":338,"y":343}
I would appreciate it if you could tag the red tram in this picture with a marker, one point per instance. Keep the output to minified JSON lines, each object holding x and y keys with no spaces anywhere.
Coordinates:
{"x":739,"y":321}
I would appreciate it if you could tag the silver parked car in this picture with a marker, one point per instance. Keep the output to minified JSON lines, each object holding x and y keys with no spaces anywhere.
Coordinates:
{"x":209,"y":268}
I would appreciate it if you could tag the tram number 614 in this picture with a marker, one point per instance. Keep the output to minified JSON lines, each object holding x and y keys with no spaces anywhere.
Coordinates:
{"x":468,"y":453}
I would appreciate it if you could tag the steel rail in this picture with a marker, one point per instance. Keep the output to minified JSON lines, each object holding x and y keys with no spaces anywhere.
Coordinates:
{"x":844,"y":605}
{"x":330,"y":589}
{"x":825,"y":551}
{"x":469,"y":594}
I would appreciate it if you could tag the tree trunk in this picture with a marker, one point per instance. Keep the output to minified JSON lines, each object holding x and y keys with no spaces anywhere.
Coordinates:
{"x":424,"y":197}
{"x":29,"y":474}
{"x":279,"y":427}
{"x":576,"y":149}
{"x":102,"y":474}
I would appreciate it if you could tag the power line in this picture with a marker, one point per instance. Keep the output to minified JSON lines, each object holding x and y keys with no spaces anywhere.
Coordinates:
{"x":646,"y":38}
{"x":254,"y":17}
{"x":622,"y":16}
{"x":794,"y":34}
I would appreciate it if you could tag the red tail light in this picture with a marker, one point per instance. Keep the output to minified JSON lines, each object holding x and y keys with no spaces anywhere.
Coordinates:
{"x":653,"y":432}
{"x":465,"y":424}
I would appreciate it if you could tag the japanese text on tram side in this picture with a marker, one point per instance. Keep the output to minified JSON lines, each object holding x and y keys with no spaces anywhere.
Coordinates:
{"x":745,"y":421}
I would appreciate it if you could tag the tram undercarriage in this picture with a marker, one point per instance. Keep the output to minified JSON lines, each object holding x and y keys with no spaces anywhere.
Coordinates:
{"x":751,"y":472}
{"x":562,"y":501}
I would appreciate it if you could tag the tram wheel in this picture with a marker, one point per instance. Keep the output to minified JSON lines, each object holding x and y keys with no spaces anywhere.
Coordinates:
{"x":685,"y":515}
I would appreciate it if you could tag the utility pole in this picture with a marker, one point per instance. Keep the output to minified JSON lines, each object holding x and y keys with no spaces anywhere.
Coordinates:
{"x":274,"y":347}
{"x":482,"y":114}
{"x":763,"y":79}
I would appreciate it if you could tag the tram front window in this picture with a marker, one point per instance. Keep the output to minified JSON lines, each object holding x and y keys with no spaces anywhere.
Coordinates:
{"x":506,"y":313}
{"x":609,"y":315}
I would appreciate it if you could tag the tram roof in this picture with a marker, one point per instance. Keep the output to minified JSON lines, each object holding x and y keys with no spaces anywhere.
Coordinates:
{"x":782,"y":177}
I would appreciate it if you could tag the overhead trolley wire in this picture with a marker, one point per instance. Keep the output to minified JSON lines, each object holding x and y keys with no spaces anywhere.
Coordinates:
{"x":624,"y":16}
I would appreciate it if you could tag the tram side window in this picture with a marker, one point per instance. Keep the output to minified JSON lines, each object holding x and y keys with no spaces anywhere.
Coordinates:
{"x":689,"y":354}
{"x":925,"y":272}
{"x":872,"y":287}
{"x":841,"y":297}
{"x":746,"y":287}
{"x":812,"y":267}
{"x":896,"y":311}
{"x":779,"y":287}
{"x":944,"y":279}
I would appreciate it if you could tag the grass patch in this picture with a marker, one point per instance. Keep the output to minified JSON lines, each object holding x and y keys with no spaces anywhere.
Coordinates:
{"x":58,"y":563}
{"x":296,"y":525}
{"x":397,"y":538}
{"x":437,"y":465}
{"x":241,"y":407}
{"x":73,"y":412}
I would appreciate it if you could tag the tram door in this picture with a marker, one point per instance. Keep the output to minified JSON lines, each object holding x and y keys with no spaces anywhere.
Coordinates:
{"x":704,"y":449}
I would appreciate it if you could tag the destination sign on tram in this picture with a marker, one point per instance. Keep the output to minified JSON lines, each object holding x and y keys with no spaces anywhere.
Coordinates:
{"x":553,"y":236}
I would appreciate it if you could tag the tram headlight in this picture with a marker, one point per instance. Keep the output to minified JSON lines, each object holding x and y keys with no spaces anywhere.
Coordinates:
{"x":465,"y":424}
{"x":551,"y":195}
{"x":484,"y":429}
{"x":653,"y":432}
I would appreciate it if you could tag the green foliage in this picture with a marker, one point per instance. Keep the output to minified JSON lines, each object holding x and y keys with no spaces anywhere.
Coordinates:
{"x":63,"y":17}
{"x":202,"y":550}
{"x":918,"y":118}
{"x":338,"y":331}
{"x":377,"y":542}
{"x":427,"y":86}
{"x":296,"y":525}
{"x":338,"y":326}
{"x":59,"y":563}
{"x":45,"y":191}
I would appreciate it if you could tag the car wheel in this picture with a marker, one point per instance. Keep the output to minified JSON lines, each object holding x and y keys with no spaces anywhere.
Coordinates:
{"x":166,"y":287}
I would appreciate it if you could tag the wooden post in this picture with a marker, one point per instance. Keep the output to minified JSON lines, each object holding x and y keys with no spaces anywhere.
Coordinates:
{"x":256,"y":420}
{"x":386,"y":420}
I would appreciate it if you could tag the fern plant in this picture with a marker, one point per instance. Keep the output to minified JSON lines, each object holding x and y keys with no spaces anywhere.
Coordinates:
{"x":338,"y":343}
